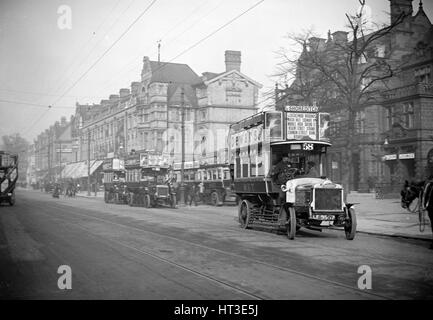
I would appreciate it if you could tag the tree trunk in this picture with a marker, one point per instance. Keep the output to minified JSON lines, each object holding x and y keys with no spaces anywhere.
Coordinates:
{"x":348,"y":155}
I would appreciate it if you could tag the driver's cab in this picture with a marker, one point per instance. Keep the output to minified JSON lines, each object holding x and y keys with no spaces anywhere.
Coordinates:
{"x":302,"y":155}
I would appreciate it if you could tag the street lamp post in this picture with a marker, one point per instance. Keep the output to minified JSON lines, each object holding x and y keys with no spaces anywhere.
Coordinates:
{"x":182,"y":167}
{"x":60,"y":160}
{"x":88,"y":162}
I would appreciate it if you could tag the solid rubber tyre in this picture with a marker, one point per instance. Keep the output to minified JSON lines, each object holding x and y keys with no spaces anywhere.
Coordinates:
{"x":350,"y":226}
{"x":291,"y":223}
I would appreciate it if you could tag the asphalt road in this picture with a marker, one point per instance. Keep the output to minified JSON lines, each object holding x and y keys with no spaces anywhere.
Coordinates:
{"x":122,"y":252}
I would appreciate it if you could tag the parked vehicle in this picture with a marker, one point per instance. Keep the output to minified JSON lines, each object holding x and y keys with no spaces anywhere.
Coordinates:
{"x":148,"y":181}
{"x":257,"y":144}
{"x":8,"y":177}
{"x":114,"y":181}
{"x":216,"y":184}
{"x":209,"y":184}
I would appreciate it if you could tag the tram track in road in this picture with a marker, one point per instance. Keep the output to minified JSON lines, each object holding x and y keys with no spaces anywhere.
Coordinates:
{"x":205,"y":247}
{"x":316,"y":244}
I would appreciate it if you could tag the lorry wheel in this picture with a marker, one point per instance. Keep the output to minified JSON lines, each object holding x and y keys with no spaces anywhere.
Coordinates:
{"x":215,"y":199}
{"x":146,"y":201}
{"x":291,"y":224}
{"x":12,"y":199}
{"x":244,"y":214}
{"x":350,"y":226}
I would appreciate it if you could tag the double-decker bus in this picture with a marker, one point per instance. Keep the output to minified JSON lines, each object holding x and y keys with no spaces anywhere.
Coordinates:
{"x":270,"y":157}
{"x":114,"y":181}
{"x":209,"y":183}
{"x":148,"y":182}
{"x":8,"y":177}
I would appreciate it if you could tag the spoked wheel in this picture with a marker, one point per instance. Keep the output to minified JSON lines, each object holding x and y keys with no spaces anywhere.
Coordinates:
{"x":350,"y":226}
{"x":244,"y":214}
{"x":421,"y":217}
{"x":146,"y":201}
{"x":215,"y":199}
{"x":291,"y":224}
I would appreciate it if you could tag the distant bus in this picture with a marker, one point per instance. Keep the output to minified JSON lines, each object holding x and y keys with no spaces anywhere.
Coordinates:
{"x":8,"y":177}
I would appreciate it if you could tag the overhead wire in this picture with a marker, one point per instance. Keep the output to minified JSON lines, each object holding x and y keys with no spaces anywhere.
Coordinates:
{"x":85,"y":58}
{"x":174,"y":58}
{"x":74,"y":59}
{"x":100,"y":57}
{"x":133,"y":61}
{"x":210,"y":35}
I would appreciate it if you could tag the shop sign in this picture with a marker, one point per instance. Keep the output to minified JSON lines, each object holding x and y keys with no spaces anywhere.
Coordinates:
{"x":389,"y":157}
{"x":406,"y":156}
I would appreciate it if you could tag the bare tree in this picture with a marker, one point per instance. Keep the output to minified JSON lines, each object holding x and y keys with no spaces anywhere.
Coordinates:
{"x":346,"y":72}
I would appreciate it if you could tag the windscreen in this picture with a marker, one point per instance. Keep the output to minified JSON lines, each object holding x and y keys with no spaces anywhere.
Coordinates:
{"x":302,"y":156}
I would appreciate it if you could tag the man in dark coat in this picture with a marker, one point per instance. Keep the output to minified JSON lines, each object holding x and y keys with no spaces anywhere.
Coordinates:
{"x":282,"y":171}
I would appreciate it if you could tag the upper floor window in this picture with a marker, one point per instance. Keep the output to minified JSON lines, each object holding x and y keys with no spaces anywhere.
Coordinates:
{"x":360,"y":122}
{"x":389,"y":117}
{"x":203,"y":115}
{"x":380,"y":51}
{"x":408,"y":114}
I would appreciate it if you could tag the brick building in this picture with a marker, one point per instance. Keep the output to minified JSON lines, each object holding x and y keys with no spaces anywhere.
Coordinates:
{"x":393,"y":127}
{"x":148,"y":116}
{"x":52,"y":150}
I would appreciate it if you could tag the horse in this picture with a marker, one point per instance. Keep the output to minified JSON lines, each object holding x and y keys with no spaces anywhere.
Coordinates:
{"x":423,"y":190}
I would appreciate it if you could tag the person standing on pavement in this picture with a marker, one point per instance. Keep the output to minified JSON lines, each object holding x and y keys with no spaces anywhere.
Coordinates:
{"x":192,"y":194}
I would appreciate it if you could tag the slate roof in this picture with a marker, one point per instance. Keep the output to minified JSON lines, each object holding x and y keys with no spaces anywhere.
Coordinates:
{"x":168,"y":72}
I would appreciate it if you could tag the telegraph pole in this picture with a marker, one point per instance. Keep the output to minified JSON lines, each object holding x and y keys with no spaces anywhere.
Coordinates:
{"x":88,"y":162}
{"x":49,"y":158}
{"x":60,"y":160}
{"x":182,"y":165}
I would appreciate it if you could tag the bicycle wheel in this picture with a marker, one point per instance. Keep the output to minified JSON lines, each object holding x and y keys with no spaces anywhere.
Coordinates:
{"x":421,"y":217}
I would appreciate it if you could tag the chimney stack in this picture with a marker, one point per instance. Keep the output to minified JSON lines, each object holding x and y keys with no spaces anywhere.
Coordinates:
{"x":113,"y":98}
{"x":399,"y":6}
{"x":124,"y":92}
{"x":316,"y":43}
{"x":340,"y":36}
{"x":233,"y":60}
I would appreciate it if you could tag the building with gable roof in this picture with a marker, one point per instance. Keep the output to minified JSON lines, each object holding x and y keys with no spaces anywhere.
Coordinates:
{"x":148,"y":116}
{"x":394,"y":125}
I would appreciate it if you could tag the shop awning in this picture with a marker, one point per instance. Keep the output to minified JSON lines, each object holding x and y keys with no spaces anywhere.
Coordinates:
{"x":79,"y":169}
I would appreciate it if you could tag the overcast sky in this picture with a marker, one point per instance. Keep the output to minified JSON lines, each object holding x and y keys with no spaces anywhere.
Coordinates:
{"x":40,"y":62}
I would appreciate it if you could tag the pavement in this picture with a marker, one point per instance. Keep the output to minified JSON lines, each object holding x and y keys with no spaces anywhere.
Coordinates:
{"x":374,"y":216}
{"x":387,"y":217}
